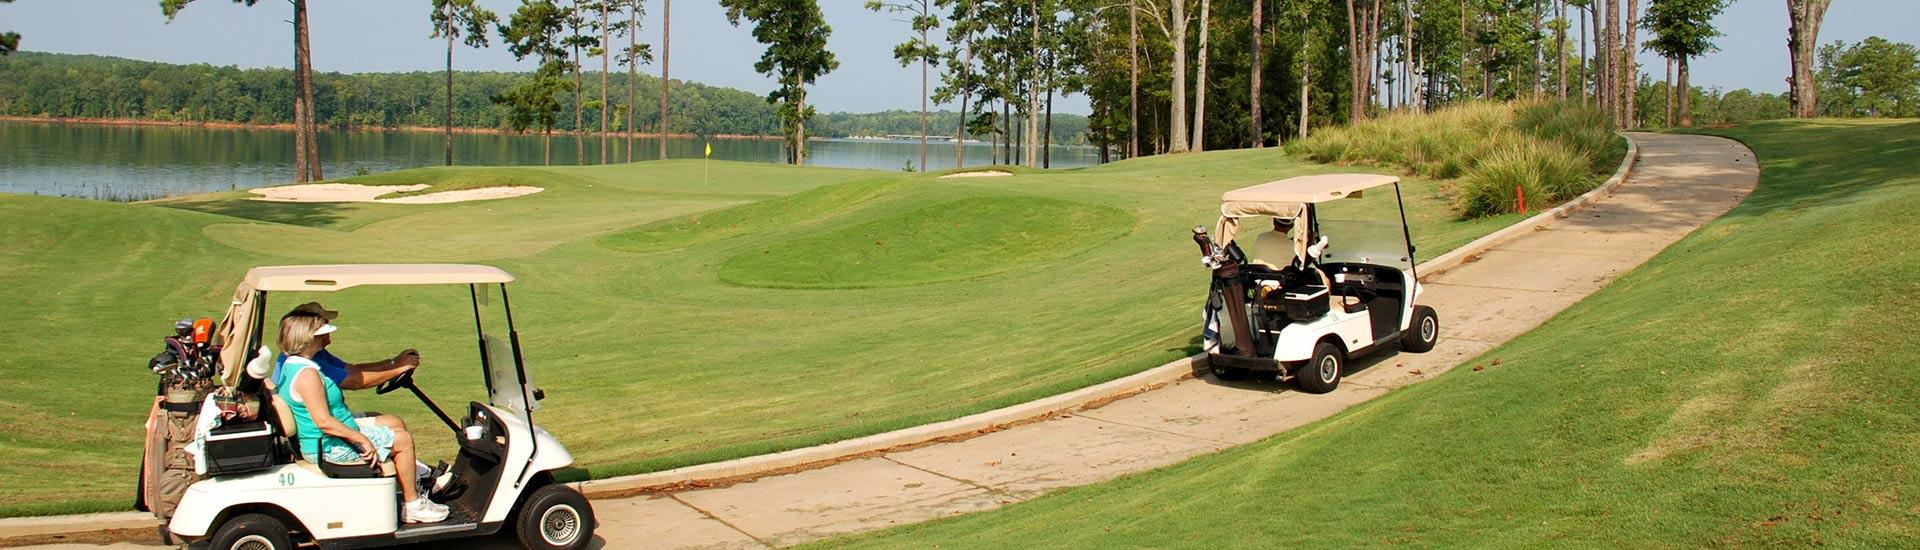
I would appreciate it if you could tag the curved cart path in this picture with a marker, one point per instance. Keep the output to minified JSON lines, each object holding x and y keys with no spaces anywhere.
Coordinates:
{"x":1679,"y":183}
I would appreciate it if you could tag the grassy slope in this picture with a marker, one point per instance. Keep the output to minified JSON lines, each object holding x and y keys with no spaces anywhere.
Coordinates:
{"x":1753,"y":384}
{"x":650,"y":360}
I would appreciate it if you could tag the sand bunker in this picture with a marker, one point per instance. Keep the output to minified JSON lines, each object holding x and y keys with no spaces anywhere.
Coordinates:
{"x":347,"y":192}
{"x":329,"y":192}
{"x":979,"y":174}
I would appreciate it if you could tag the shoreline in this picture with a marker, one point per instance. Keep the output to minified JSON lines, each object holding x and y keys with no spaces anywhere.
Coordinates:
{"x":288,"y":127}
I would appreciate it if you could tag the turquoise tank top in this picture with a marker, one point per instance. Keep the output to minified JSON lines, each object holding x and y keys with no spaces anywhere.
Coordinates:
{"x":312,"y":441}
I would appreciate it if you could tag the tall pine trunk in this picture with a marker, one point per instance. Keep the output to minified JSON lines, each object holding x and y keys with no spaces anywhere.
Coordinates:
{"x":923,"y":103}
{"x":304,"y":49}
{"x":1177,"y":109}
{"x":1534,"y":75}
{"x":449,"y":32}
{"x":1583,"y":54}
{"x":666,"y":57}
{"x":966,"y":93}
{"x":1686,"y":97}
{"x":1668,"y":120}
{"x":1133,"y":79}
{"x":1200,"y":83}
{"x":1046,"y":132}
{"x":301,"y":172}
{"x":1803,"y":37}
{"x":800,"y":122}
{"x":1253,"y":96}
{"x":1613,"y":63}
{"x":1631,"y":67}
{"x":1560,"y":45}
{"x":606,"y":55}
{"x":633,"y":74}
{"x":1306,"y":86}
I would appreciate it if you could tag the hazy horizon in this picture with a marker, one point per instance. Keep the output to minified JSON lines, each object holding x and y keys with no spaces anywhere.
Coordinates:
{"x":362,"y":36}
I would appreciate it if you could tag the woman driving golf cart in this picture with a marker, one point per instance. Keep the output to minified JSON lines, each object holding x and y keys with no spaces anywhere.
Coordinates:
{"x":349,"y":376}
{"x":326,"y":428}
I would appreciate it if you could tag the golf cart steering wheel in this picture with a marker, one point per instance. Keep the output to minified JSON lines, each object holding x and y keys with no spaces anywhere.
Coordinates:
{"x":405,"y":380}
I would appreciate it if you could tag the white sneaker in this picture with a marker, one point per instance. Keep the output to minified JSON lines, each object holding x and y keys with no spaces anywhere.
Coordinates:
{"x":421,"y":510}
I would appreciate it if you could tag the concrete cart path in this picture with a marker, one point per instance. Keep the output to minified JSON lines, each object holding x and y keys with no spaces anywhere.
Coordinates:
{"x":1680,"y":183}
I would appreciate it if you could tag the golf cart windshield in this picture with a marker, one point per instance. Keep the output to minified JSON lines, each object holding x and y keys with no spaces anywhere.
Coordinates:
{"x":1366,"y":242}
{"x":508,"y":385}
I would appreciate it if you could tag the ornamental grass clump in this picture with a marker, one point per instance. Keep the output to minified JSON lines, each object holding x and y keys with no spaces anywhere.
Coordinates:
{"x":1552,"y":150}
{"x":1547,"y":172}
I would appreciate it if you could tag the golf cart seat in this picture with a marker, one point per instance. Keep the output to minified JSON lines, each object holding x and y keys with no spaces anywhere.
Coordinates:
{"x":357,"y":469}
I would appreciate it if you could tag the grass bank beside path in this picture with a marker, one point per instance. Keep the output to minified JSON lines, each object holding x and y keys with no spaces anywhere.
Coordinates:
{"x":1751,"y":385}
{"x":657,"y":310}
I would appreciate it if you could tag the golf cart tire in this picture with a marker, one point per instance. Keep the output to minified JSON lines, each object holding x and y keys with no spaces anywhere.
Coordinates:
{"x":249,"y":531}
{"x":555,"y":517}
{"x":1423,"y":333}
{"x":1310,"y":378}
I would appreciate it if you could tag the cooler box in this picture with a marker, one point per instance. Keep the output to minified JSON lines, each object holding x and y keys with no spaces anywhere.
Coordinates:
{"x":240,"y":447}
{"x":1306,"y":303}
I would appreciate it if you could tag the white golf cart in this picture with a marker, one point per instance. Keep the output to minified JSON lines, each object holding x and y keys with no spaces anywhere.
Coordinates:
{"x":1315,"y":292}
{"x":260,"y":495}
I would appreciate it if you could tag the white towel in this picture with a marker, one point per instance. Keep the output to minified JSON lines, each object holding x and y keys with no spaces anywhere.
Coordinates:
{"x":209,"y":419}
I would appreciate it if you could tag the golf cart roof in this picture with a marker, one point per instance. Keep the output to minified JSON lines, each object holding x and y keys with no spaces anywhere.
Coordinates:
{"x":327,"y":278}
{"x":1307,"y":189}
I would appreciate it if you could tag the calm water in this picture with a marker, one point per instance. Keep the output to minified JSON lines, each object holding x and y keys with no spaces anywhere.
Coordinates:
{"x":149,"y":161}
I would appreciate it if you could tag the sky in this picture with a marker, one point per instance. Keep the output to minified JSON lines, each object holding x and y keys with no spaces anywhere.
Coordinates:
{"x":392,"y":35}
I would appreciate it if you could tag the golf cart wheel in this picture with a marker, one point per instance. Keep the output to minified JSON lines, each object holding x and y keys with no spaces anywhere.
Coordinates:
{"x":1227,"y":374}
{"x":1322,"y":373}
{"x":251,"y":532}
{"x":1423,"y":333}
{"x":555,"y":517}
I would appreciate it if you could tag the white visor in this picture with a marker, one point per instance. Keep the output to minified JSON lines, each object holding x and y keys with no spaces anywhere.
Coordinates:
{"x":328,"y":329}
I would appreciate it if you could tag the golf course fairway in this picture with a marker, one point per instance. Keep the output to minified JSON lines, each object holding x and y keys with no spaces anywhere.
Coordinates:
{"x":671,"y":318}
{"x":1753,"y":384}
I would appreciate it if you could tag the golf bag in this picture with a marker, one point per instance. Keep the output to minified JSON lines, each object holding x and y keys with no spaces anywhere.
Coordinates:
{"x":187,"y":369}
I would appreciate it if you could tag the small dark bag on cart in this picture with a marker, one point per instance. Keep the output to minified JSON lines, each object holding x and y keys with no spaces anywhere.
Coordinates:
{"x":240,"y":447}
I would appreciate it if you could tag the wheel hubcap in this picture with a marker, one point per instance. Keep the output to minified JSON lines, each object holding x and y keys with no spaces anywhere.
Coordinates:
{"x":1428,"y":329}
{"x":560,"y":525}
{"x":1329,"y":369}
{"x":253,"y":542}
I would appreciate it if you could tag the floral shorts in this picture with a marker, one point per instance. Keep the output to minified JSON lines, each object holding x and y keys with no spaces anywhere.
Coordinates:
{"x":342,"y":452}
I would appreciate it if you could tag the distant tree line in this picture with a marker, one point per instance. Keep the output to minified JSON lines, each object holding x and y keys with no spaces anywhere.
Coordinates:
{"x":89,"y":86}
{"x":43,"y":84}
{"x":1067,"y":129}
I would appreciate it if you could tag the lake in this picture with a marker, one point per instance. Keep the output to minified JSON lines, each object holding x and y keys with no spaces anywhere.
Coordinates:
{"x":137,"y":162}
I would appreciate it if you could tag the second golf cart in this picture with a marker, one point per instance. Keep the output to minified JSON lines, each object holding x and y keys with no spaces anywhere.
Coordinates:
{"x":259,"y":495}
{"x":1315,"y":292}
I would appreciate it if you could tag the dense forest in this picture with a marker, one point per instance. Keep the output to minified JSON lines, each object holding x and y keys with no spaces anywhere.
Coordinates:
{"x":88,"y":86}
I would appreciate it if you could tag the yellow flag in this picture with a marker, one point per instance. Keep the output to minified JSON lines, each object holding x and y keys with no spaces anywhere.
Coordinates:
{"x":709,"y":149}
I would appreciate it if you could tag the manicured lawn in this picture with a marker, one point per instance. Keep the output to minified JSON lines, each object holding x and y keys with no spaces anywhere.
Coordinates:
{"x":658,"y":312}
{"x":1754,"y":384}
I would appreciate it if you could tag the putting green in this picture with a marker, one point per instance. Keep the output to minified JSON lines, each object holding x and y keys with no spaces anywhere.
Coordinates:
{"x":950,"y":241}
{"x":999,"y":291}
